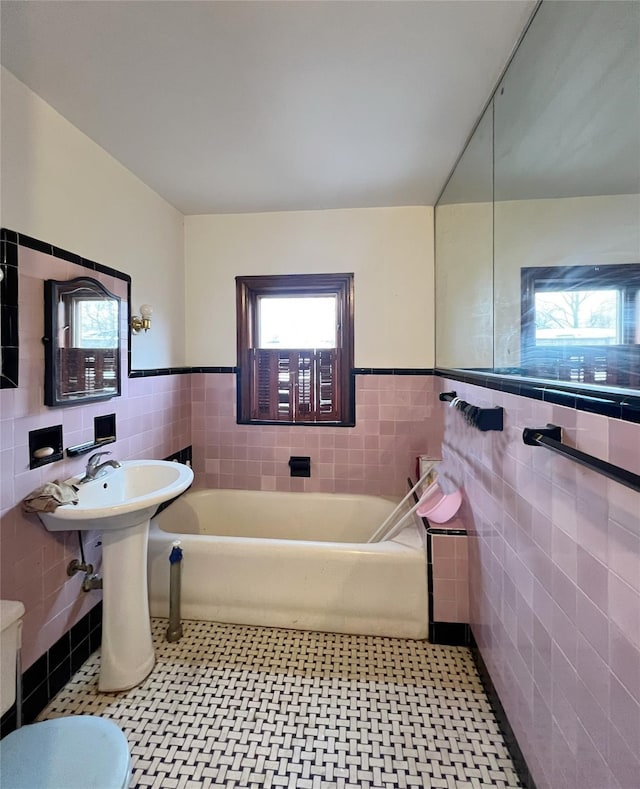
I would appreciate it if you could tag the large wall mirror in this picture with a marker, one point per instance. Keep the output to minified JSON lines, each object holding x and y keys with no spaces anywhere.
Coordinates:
{"x":464,"y":255}
{"x":565,"y":225}
{"x":82,"y":342}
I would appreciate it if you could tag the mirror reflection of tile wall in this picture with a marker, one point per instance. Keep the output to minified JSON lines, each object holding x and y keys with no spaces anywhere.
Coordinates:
{"x":566,"y":175}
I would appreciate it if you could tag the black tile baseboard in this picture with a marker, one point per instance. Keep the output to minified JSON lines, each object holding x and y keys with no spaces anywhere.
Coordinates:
{"x":51,"y":672}
{"x":524,"y":774}
{"x":451,"y":634}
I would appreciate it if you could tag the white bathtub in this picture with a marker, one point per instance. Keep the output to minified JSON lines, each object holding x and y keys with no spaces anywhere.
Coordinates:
{"x":297,"y":560}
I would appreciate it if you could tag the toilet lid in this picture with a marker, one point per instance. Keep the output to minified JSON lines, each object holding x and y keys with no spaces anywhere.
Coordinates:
{"x":66,"y":753}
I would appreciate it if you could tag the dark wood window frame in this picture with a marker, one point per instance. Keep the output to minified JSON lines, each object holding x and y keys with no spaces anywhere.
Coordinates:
{"x":321,"y":390}
{"x":610,"y":365}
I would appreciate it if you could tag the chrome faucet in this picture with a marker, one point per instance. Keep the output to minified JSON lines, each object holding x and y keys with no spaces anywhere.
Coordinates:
{"x":95,"y":468}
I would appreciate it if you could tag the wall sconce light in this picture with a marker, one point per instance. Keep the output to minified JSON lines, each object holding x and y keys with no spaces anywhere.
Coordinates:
{"x":142,"y":321}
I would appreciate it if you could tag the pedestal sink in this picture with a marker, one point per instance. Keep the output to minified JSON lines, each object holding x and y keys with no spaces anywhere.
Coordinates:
{"x":120,"y":504}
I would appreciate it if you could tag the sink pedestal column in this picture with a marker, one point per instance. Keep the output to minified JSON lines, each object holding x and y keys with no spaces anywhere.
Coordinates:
{"x":127,"y":649}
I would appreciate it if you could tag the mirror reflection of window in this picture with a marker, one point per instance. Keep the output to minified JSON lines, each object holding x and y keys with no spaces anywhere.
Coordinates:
{"x":581,"y":323}
{"x":574,"y":317}
{"x":94,"y":323}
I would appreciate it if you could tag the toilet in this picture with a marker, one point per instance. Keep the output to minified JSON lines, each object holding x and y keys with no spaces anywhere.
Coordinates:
{"x":75,"y":752}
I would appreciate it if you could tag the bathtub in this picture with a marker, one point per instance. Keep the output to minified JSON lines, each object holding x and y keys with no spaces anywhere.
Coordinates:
{"x":295,"y":560}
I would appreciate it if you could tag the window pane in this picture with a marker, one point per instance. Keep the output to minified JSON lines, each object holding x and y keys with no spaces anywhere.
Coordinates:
{"x":297,"y":322}
{"x":578,"y":317}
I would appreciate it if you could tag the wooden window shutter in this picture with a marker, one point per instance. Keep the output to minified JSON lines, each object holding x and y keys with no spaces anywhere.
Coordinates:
{"x":264,"y":379}
{"x":305,"y":384}
{"x":285,"y":385}
{"x":327,"y":366}
{"x":293,"y":386}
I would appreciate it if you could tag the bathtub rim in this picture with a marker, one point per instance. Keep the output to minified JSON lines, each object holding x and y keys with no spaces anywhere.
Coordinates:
{"x":415,"y":526}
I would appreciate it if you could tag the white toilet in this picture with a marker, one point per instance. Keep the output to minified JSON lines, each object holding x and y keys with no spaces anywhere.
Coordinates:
{"x":76,"y":752}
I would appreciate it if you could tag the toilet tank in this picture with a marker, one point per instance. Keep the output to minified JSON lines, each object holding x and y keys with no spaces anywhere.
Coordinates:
{"x":11,"y":612}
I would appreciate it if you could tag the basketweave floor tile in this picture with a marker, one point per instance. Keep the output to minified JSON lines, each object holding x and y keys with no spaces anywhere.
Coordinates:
{"x":260,"y":708}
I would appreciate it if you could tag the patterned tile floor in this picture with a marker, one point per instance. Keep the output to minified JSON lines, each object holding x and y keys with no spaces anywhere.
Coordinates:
{"x":234,"y":706}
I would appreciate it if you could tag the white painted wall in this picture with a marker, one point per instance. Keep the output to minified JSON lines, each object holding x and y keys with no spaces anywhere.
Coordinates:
{"x":390,"y":251}
{"x":464,"y":285}
{"x":61,"y":187}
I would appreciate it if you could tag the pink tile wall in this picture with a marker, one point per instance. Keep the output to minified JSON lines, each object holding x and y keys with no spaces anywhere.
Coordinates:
{"x":450,"y":578}
{"x":554,"y":564}
{"x":396,"y":419}
{"x":153,"y":420}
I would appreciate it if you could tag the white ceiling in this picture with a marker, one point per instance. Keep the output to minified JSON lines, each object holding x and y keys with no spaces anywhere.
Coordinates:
{"x":269,"y":106}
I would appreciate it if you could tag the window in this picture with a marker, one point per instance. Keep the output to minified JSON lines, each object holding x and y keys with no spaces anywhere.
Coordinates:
{"x":581,"y":323}
{"x":295,"y":348}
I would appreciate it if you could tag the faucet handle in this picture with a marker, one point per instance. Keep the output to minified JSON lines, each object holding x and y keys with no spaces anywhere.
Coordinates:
{"x":95,"y":458}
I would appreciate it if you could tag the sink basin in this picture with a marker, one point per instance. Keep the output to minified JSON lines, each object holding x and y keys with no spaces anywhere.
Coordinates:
{"x":122,"y":497}
{"x":119,"y":505}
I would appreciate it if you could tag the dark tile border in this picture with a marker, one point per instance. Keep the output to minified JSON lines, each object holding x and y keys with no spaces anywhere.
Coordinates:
{"x":451,"y":532}
{"x":51,"y":671}
{"x":185,"y":456}
{"x":9,"y":311}
{"x":616,"y":404}
{"x":212,"y":369}
{"x":524,"y":774}
{"x":10,"y":241}
{"x":150,"y":373}
{"x":393,"y":371}
{"x":64,"y":254}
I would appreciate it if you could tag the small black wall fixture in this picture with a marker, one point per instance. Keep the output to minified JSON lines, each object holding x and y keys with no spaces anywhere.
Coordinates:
{"x":45,"y":446}
{"x":551,"y":437}
{"x":300,"y":466}
{"x":482,"y":418}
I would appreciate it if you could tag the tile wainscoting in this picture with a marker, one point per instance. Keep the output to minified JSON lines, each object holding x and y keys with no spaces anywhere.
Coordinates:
{"x":554,"y":585}
{"x":397,"y":418}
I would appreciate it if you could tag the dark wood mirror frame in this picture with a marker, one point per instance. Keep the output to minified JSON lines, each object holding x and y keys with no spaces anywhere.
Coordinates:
{"x":81,"y":371}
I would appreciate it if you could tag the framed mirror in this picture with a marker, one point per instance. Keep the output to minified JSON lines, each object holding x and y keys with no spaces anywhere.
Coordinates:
{"x":82,"y":342}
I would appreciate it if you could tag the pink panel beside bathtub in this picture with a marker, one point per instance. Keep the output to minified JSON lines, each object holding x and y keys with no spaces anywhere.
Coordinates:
{"x":450,"y":578}
{"x":554,"y":568}
{"x":396,"y":419}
